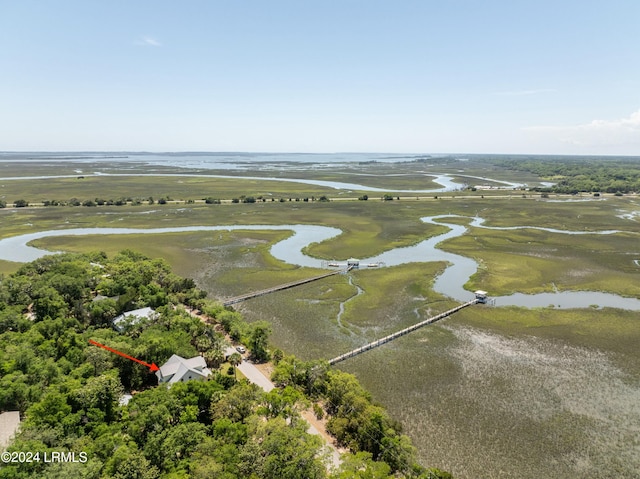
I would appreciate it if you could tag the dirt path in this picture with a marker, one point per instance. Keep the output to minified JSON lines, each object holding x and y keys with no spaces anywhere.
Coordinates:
{"x":9,"y":424}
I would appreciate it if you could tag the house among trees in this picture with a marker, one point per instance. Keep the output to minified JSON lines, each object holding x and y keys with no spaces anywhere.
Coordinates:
{"x":132,"y":317}
{"x":178,"y":369}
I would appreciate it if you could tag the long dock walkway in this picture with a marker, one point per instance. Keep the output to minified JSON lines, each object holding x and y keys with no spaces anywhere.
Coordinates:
{"x":280,"y":287}
{"x":402,"y":332}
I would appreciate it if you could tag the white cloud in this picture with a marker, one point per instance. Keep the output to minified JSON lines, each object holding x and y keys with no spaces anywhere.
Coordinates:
{"x":620,"y":136}
{"x":147,"y":41}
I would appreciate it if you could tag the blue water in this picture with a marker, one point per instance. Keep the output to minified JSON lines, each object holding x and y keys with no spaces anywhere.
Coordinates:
{"x":220,"y":160}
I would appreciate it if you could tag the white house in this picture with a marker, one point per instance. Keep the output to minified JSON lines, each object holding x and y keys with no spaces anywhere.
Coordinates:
{"x":178,"y":369}
{"x":132,"y":317}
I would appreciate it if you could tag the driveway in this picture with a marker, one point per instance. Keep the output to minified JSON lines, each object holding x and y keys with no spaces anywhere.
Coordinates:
{"x":255,"y":376}
{"x":9,"y":424}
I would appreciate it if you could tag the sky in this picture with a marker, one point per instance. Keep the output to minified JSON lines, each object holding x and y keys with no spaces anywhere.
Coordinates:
{"x":405,"y":76}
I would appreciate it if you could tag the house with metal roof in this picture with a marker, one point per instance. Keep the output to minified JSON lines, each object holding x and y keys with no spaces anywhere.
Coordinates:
{"x":132,"y":317}
{"x":178,"y":369}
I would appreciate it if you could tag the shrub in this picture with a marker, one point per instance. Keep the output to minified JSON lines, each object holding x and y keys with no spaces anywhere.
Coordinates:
{"x":318,"y":411}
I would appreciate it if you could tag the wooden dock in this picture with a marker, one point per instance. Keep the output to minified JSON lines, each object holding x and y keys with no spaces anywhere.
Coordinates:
{"x":395,"y":335}
{"x":293,"y":284}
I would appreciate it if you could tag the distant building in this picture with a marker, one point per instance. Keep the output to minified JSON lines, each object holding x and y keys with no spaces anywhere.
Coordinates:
{"x":481,"y":296}
{"x":178,"y":369}
{"x":353,"y":263}
{"x":132,"y":317}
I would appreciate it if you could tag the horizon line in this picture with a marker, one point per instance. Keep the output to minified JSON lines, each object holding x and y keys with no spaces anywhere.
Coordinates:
{"x":256,"y":152}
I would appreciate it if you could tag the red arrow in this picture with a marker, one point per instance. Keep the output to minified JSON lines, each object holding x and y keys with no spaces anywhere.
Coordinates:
{"x":152,"y":367}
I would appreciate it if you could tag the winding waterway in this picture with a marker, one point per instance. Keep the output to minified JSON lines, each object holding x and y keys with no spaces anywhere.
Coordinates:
{"x":447,"y":183}
{"x":290,"y":250}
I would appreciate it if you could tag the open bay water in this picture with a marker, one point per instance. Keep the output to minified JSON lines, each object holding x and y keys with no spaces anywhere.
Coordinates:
{"x":238,"y":162}
{"x":216,"y":160}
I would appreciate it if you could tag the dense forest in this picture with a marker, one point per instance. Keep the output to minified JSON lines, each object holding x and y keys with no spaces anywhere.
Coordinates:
{"x":573,"y":175}
{"x":69,"y":392}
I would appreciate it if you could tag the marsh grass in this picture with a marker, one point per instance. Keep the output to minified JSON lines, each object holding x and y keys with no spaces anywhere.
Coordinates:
{"x":372,"y":229}
{"x":228,"y":263}
{"x":533,"y":261}
{"x":393,"y":298}
{"x":178,"y":188}
{"x":483,"y":405}
{"x":304,"y":318}
{"x":611,"y":330}
{"x":389,"y":177}
{"x":488,"y":392}
{"x":8,"y":267}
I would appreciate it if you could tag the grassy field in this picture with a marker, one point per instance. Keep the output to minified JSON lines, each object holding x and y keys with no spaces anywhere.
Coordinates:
{"x":193,"y":184}
{"x":533,"y":261}
{"x":485,"y":404}
{"x":393,"y":175}
{"x":489,"y":392}
{"x":178,"y":188}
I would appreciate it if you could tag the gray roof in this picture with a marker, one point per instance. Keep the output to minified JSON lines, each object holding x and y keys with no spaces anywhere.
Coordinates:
{"x":147,"y":313}
{"x":177,"y":369}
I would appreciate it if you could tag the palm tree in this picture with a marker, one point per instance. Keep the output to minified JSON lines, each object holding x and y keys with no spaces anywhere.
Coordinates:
{"x":235,"y":359}
{"x":216,"y":346}
{"x":213,"y":357}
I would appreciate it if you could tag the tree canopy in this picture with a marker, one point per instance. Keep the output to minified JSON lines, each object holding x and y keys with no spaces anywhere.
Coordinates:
{"x":574,"y":175}
{"x":70,"y":393}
